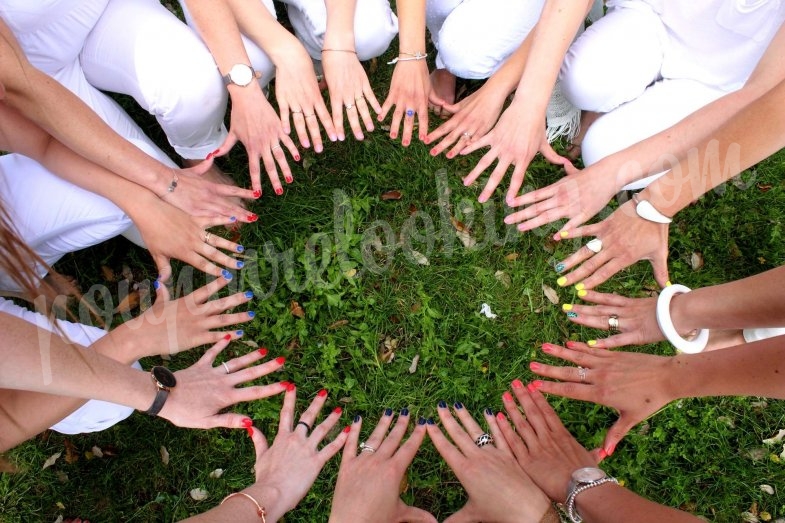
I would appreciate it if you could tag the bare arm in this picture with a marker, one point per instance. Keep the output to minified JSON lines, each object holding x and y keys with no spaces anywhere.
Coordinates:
{"x":611,"y":503}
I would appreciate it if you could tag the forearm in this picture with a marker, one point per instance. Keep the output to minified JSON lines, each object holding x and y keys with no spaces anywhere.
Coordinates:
{"x":257,"y":23}
{"x":610,"y":503}
{"x":340,"y":24}
{"x":239,"y":509}
{"x":411,"y":26}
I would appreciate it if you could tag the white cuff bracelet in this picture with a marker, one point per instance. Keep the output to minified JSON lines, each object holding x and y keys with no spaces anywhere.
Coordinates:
{"x":666,"y":323}
{"x":646,"y":210}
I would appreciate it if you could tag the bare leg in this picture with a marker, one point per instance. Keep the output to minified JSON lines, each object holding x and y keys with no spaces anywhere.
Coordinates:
{"x":443,"y":85}
{"x":587,"y":118}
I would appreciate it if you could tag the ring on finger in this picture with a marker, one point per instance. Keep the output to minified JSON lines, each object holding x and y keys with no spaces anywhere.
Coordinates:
{"x":359,"y":98}
{"x":613,"y":323}
{"x":349,"y":106}
{"x":582,"y":374}
{"x":409,"y":113}
{"x":304,"y":424}
{"x":207,"y":236}
{"x":467,"y":135}
{"x":310,"y":115}
{"x":595,"y":245}
{"x":226,"y":368}
{"x":276,"y":147}
{"x":483,"y":439}
{"x":364,"y":447}
{"x":298,"y":111}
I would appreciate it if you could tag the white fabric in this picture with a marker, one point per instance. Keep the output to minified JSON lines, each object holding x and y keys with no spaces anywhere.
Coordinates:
{"x":474,"y":37}
{"x":134,"y":47}
{"x":94,"y":415}
{"x":751,"y":335}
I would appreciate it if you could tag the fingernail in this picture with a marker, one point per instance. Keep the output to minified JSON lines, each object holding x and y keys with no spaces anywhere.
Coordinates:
{"x":430,"y":421}
{"x":547,"y":347}
{"x":252,"y":217}
{"x":421,"y":421}
{"x":240,"y":248}
{"x":249,"y":430}
{"x":262,"y":352}
{"x":458,"y":405}
{"x":535,"y":385}
{"x":240,"y":265}
{"x":562,"y":281}
{"x":442,"y":405}
{"x":347,"y":429}
{"x":570,"y":344}
{"x":534,"y":366}
{"x":668,"y":283}
{"x":279,"y":191}
{"x":322,"y":393}
{"x":566,"y":307}
{"x":591,"y":343}
{"x":404,"y":412}
{"x":226,"y":274}
{"x":611,"y":450}
{"x":249,"y":294}
{"x":228,"y":337}
{"x":517,"y":384}
{"x":209,"y":155}
{"x":233,"y":219}
{"x":338,"y":410}
{"x":582,"y":293}
{"x":572,"y":314}
{"x":580,"y":287}
{"x":290,"y":387}
{"x":280,"y":360}
{"x":257,"y":194}
{"x":603,"y":454}
{"x":564,"y":234}
{"x":297,"y":158}
{"x":501,"y":416}
{"x":560,"y":267}
{"x":156,"y":284}
{"x":288,"y":179}
{"x":247,"y":422}
{"x":507,"y":396}
{"x":239,"y":333}
{"x":388,"y":412}
{"x":488,"y":412}
{"x":357,"y":418}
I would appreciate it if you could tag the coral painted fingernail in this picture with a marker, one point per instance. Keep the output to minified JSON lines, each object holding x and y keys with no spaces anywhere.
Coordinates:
{"x":572,"y":315}
{"x":580,"y":287}
{"x":591,"y":343}
{"x":582,"y":293}
{"x":562,"y":281}
{"x":262,"y":352}
{"x":560,"y":267}
{"x":280,"y":360}
{"x":547,"y":347}
{"x":226,"y":274}
{"x":257,"y":194}
{"x":228,"y":337}
{"x":535,"y":385}
{"x":249,"y":294}
{"x":603,"y":454}
{"x":507,"y":396}
{"x":501,"y":416}
{"x":347,"y":429}
{"x":570,"y":344}
{"x":288,"y":179}
{"x":442,"y":404}
{"x":535,"y":366}
{"x":279,"y":191}
{"x":564,"y":234}
{"x":566,"y":307}
{"x":290,"y":387}
{"x":517,"y":384}
{"x":284,"y":384}
{"x":322,"y":393}
{"x":458,"y":405}
{"x":337,"y":410}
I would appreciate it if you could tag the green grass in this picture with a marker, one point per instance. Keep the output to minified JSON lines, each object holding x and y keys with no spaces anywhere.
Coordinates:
{"x":705,"y":456}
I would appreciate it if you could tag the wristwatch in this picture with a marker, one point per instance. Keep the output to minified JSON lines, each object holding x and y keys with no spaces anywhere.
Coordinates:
{"x":584,"y":479}
{"x":164,"y":381}
{"x":241,"y":74}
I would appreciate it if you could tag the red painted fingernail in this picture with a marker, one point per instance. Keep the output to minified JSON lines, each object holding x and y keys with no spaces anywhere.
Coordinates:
{"x":535,"y":366}
{"x":347,"y":429}
{"x":210,"y":155}
{"x":570,"y":344}
{"x":288,"y":179}
{"x":603,"y":454}
{"x":280,"y":360}
{"x":611,"y":450}
{"x":322,"y":393}
{"x":290,"y":387}
{"x":501,"y":416}
{"x":517,"y":384}
{"x":250,"y":432}
{"x":228,"y":337}
{"x":263,"y":352}
{"x":547,"y":347}
{"x":338,"y":410}
{"x":285,"y":384}
{"x":279,"y":191}
{"x":247,"y":422}
{"x":296,"y":157}
{"x":257,"y":194}
{"x":252,"y":217}
{"x":535,"y":385}
{"x":507,"y":396}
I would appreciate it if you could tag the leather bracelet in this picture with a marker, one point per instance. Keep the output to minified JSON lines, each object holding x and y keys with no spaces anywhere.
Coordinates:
{"x":647,"y":211}
{"x":339,"y":51}
{"x":259,"y":509}
{"x":665,"y":322}
{"x":572,"y":513}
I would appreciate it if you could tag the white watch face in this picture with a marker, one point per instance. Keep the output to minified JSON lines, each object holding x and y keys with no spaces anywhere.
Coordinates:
{"x":241,"y":74}
{"x":588,"y":474}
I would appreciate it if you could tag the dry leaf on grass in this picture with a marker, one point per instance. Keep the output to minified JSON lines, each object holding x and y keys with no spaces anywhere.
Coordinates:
{"x":337,"y":325}
{"x":696,"y":261}
{"x":420,"y":258}
{"x":198,"y":494}
{"x":164,"y":455}
{"x":392,"y":195}
{"x":108,"y":274}
{"x":551,"y":294}
{"x":250,"y":343}
{"x":71,"y":454}
{"x":97,"y":452}
{"x":296,"y":310}
{"x":776,"y":438}
{"x":512,"y":256}
{"x":387,"y":349}
{"x":768,"y":489}
{"x":217,"y":473}
{"x":128,"y":303}
{"x":503,"y":278}
{"x":7,"y":467}
{"x":51,"y":460}
{"x":413,"y":366}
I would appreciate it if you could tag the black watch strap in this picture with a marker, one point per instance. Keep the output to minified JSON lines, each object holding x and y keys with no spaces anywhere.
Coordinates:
{"x":158,"y":402}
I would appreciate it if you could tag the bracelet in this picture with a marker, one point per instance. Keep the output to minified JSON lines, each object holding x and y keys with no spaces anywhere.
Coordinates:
{"x":694,"y":346}
{"x":646,"y":210}
{"x":572,"y":513}
{"x":173,"y":184}
{"x":411,"y":57}
{"x":340,"y":51}
{"x":259,"y":509}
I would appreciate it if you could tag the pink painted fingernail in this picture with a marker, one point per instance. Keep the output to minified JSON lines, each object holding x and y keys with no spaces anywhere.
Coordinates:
{"x":296,"y":157}
{"x":338,"y":410}
{"x":263,"y":352}
{"x":247,"y":422}
{"x":322,"y":393}
{"x":279,"y":191}
{"x":535,"y":366}
{"x":288,"y":179}
{"x":507,"y":396}
{"x":501,"y":416}
{"x":547,"y":347}
{"x":517,"y":384}
{"x":570,"y":344}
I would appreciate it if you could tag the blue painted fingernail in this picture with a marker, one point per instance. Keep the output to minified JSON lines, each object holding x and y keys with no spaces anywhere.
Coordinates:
{"x":572,"y":314}
{"x":559,"y":267}
{"x":430,"y":421}
{"x":404,"y":412}
{"x":251,"y":314}
{"x":240,"y":248}
{"x":226,"y":274}
{"x":458,"y":405}
{"x":233,"y":219}
{"x":442,"y":404}
{"x":388,"y":412}
{"x":421,"y":421}
{"x":357,"y":418}
{"x":240,"y":265}
{"x":239,"y":333}
{"x":156,"y":284}
{"x":249,"y":294}
{"x":489,"y":412}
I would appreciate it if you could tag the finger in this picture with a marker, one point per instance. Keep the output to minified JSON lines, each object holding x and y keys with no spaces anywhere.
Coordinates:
{"x":210,"y":354}
{"x":587,"y":230}
{"x":312,"y":413}
{"x":161,"y":291}
{"x":257,"y":371}
{"x":284,"y":112}
{"x":513,"y":440}
{"x":227,"y":420}
{"x":377,"y":439}
{"x":617,"y":432}
{"x":353,"y":115}
{"x":416,"y":515}
{"x":543,"y":218}
{"x":221,"y":304}
{"x":516,"y":181}
{"x":244,"y":361}
{"x":268,"y":159}
{"x":370,"y":97}
{"x":259,"y":441}
{"x":364,"y":114}
{"x":350,"y":447}
{"x":323,"y":116}
{"x":192,"y":258}
{"x":408,"y":126}
{"x":291,"y":147}
{"x":393,"y":440}
{"x":552,"y":156}
{"x":591,"y":276}
{"x":532,"y":412}
{"x":337,"y":114}
{"x":659,"y":266}
{"x":405,"y":454}
{"x":617,"y":340}
{"x":321,"y":430}
{"x":510,"y":406}
{"x":280,"y":159}
{"x":461,"y":140}
{"x":473,"y":428}
{"x":546,"y":412}
{"x":446,"y":450}
{"x":446,"y":131}
{"x":422,"y":121}
{"x":300,"y":127}
{"x":233,"y":191}
{"x":493,"y":425}
{"x":220,"y":257}
{"x":464,"y":441}
{"x":255,"y":393}
{"x":388,"y":104}
{"x":332,"y":448}
{"x":164,"y":274}
{"x":485,"y":162}
{"x":496,"y":177}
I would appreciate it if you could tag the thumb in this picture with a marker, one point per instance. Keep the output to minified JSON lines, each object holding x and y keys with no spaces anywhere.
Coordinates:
{"x":200,"y":168}
{"x":465,"y":515}
{"x":415,"y":515}
{"x":659,"y":264}
{"x":164,"y":275}
{"x":616,"y":433}
{"x":552,"y":156}
{"x":259,"y":441}
{"x":225,"y":147}
{"x":232,"y":420}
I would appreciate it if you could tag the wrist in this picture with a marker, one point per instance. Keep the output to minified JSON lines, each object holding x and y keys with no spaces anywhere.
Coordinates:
{"x":595,"y":499}
{"x":269,"y":497}
{"x":683,"y":321}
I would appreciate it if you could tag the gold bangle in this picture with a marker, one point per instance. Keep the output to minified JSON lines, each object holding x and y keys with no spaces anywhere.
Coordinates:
{"x":259,"y":509}
{"x":340,"y":51}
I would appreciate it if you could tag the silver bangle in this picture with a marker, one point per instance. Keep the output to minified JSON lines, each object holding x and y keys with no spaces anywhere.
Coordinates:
{"x":572,"y":513}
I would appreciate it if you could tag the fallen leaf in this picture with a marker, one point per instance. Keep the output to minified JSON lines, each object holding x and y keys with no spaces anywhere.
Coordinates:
{"x":765,"y":516}
{"x":756,"y":454}
{"x":71,"y":454}
{"x":760,"y":404}
{"x":413,"y":366}
{"x":392,"y":195}
{"x":250,"y":343}
{"x":768,"y":489}
{"x":61,"y":476}
{"x":108,"y":274}
{"x":459,"y":225}
{"x":512,"y":256}
{"x":503,"y":278}
{"x":296,"y":310}
{"x":346,"y":400}
{"x":164,"y":455}
{"x":466,"y":239}
{"x":198,"y":494}
{"x":403,"y":486}
{"x":696,"y":261}
{"x":109,"y":451}
{"x":128,"y":274}
{"x":416,"y":307}
{"x":292,"y":345}
{"x":217,"y":473}
{"x":59,"y":518}
{"x":420,"y":258}
{"x":764,"y":187}
{"x":337,"y":325}
{"x":60,"y":505}
{"x":7,"y":467}
{"x":51,"y":460}
{"x":412,"y":209}
{"x":129,"y":303}
{"x":551,"y":294}
{"x":144,"y":298}
{"x":374,"y":65}
{"x":387,"y":349}
{"x":776,"y":438}
{"x":97,"y":452}
{"x":351,"y":273}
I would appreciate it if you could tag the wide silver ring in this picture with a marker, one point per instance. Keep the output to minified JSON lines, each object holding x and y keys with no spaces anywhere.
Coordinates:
{"x":349,"y":106}
{"x":613,"y":323}
{"x":582,"y":374}
{"x":366,"y":448}
{"x":595,"y":245}
{"x":207,"y":236}
{"x":483,"y":439}
{"x":467,"y":135}
{"x":226,"y":367}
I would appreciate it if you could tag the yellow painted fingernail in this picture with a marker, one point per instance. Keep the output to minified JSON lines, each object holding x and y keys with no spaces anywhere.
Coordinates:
{"x":561,"y":282}
{"x":580,"y":287}
{"x":566,"y":307}
{"x":564,"y":234}
{"x":668,"y":283}
{"x":591,"y":343}
{"x":582,"y":293}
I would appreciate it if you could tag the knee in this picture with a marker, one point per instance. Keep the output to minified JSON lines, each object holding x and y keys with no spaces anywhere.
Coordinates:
{"x":466,"y":57}
{"x":193,"y":90}
{"x":586,"y":83}
{"x":373,"y":39}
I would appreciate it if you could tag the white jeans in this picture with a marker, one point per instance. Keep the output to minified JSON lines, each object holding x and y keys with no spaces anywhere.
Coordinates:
{"x":474,"y":37}
{"x":133,"y":47}
{"x":94,"y":415}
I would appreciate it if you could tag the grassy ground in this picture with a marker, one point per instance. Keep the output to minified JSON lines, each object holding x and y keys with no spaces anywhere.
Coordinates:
{"x":705,"y":456}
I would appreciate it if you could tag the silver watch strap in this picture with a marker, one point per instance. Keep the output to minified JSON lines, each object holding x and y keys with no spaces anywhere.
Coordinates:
{"x":572,"y":513}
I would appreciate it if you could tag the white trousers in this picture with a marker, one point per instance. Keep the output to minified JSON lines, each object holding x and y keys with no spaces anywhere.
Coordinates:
{"x":133,"y":47}
{"x":94,"y":415}
{"x":473,"y":38}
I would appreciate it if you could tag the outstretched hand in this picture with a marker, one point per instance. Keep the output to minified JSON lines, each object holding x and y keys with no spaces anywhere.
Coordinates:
{"x":410,"y":89}
{"x":351,"y":91}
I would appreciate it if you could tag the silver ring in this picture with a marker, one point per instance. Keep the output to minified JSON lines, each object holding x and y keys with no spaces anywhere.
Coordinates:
{"x":226,"y":367}
{"x":483,"y":439}
{"x":582,"y":374}
{"x":207,"y":236}
{"x":276,"y":147}
{"x":300,"y":111}
{"x":467,"y":135}
{"x":595,"y":245}
{"x":359,"y":98}
{"x":308,"y":428}
{"x":613,"y":323}
{"x":310,"y":115}
{"x":349,"y":106}
{"x":366,"y":448}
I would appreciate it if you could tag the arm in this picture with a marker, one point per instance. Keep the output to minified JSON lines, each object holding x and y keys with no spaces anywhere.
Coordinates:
{"x":610,"y":503}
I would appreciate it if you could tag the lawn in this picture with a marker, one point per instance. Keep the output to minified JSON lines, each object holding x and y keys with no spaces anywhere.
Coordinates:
{"x":377,"y":299}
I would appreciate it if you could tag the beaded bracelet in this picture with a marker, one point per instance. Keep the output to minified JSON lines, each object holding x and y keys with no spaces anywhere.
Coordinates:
{"x":259,"y":509}
{"x":172,"y":184}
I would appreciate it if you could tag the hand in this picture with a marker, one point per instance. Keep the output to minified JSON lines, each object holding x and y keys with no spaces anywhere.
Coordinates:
{"x":410,"y":88}
{"x":577,"y":197}
{"x":626,"y":238}
{"x":298,"y":92}
{"x":169,"y":327}
{"x":368,"y":483}
{"x":199,"y":197}
{"x":543,"y":447}
{"x":472,"y":118}
{"x":170,"y":233}
{"x":637,"y":319}
{"x":255,"y":124}
{"x":203,"y":390}
{"x":286,"y":469}
{"x":517,"y":137}
{"x":634,"y":384}
{"x":349,"y":88}
{"x":498,"y":488}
